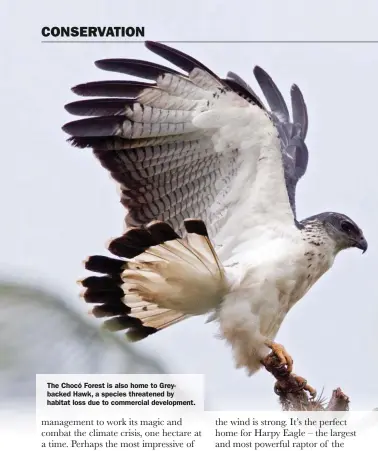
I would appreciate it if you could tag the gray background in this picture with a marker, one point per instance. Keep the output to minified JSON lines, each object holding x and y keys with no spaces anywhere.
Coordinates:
{"x":59,"y":205}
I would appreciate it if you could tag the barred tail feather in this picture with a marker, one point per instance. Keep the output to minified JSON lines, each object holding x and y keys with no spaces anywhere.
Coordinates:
{"x":164,"y":280}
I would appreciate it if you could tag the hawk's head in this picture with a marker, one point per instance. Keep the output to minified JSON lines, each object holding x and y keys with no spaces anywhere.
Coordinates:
{"x":343,"y":230}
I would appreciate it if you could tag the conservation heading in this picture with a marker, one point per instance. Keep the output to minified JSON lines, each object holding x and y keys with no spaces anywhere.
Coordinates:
{"x":93,"y":32}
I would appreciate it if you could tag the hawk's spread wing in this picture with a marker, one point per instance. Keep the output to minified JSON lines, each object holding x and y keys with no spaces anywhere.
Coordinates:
{"x":190,"y":144}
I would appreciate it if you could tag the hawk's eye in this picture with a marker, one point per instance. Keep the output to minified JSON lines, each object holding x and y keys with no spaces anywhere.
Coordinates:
{"x":347,"y":227}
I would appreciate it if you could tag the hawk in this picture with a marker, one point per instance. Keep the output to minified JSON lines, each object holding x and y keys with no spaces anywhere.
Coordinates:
{"x":208,"y":176}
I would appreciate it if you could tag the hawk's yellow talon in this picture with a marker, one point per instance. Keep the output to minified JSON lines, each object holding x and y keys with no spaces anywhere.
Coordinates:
{"x":281,"y":354}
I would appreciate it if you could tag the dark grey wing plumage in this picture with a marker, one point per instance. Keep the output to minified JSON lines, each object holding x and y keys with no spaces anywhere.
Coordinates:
{"x":292,"y":132}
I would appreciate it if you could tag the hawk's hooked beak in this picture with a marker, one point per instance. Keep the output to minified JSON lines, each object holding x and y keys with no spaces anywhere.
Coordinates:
{"x":362,"y":244}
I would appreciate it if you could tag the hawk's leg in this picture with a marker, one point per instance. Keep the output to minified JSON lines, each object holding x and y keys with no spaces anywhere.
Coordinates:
{"x":280,"y":352}
{"x":280,"y":365}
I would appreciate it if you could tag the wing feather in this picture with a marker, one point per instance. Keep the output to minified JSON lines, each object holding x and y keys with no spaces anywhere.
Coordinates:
{"x":299,"y":107}
{"x":112,"y":88}
{"x":185,"y":62}
{"x":272,"y":94}
{"x":238,"y":85}
{"x":292,"y":134}
{"x":193,"y":144}
{"x":136,"y":68}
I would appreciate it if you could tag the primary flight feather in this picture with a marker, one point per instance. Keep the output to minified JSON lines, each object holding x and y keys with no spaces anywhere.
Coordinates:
{"x":208,"y":176}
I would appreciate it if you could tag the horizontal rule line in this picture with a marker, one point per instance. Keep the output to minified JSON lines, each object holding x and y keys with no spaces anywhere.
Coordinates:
{"x":205,"y":42}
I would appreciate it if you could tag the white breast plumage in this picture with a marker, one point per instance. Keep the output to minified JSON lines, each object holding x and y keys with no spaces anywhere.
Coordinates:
{"x":276,"y":276}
